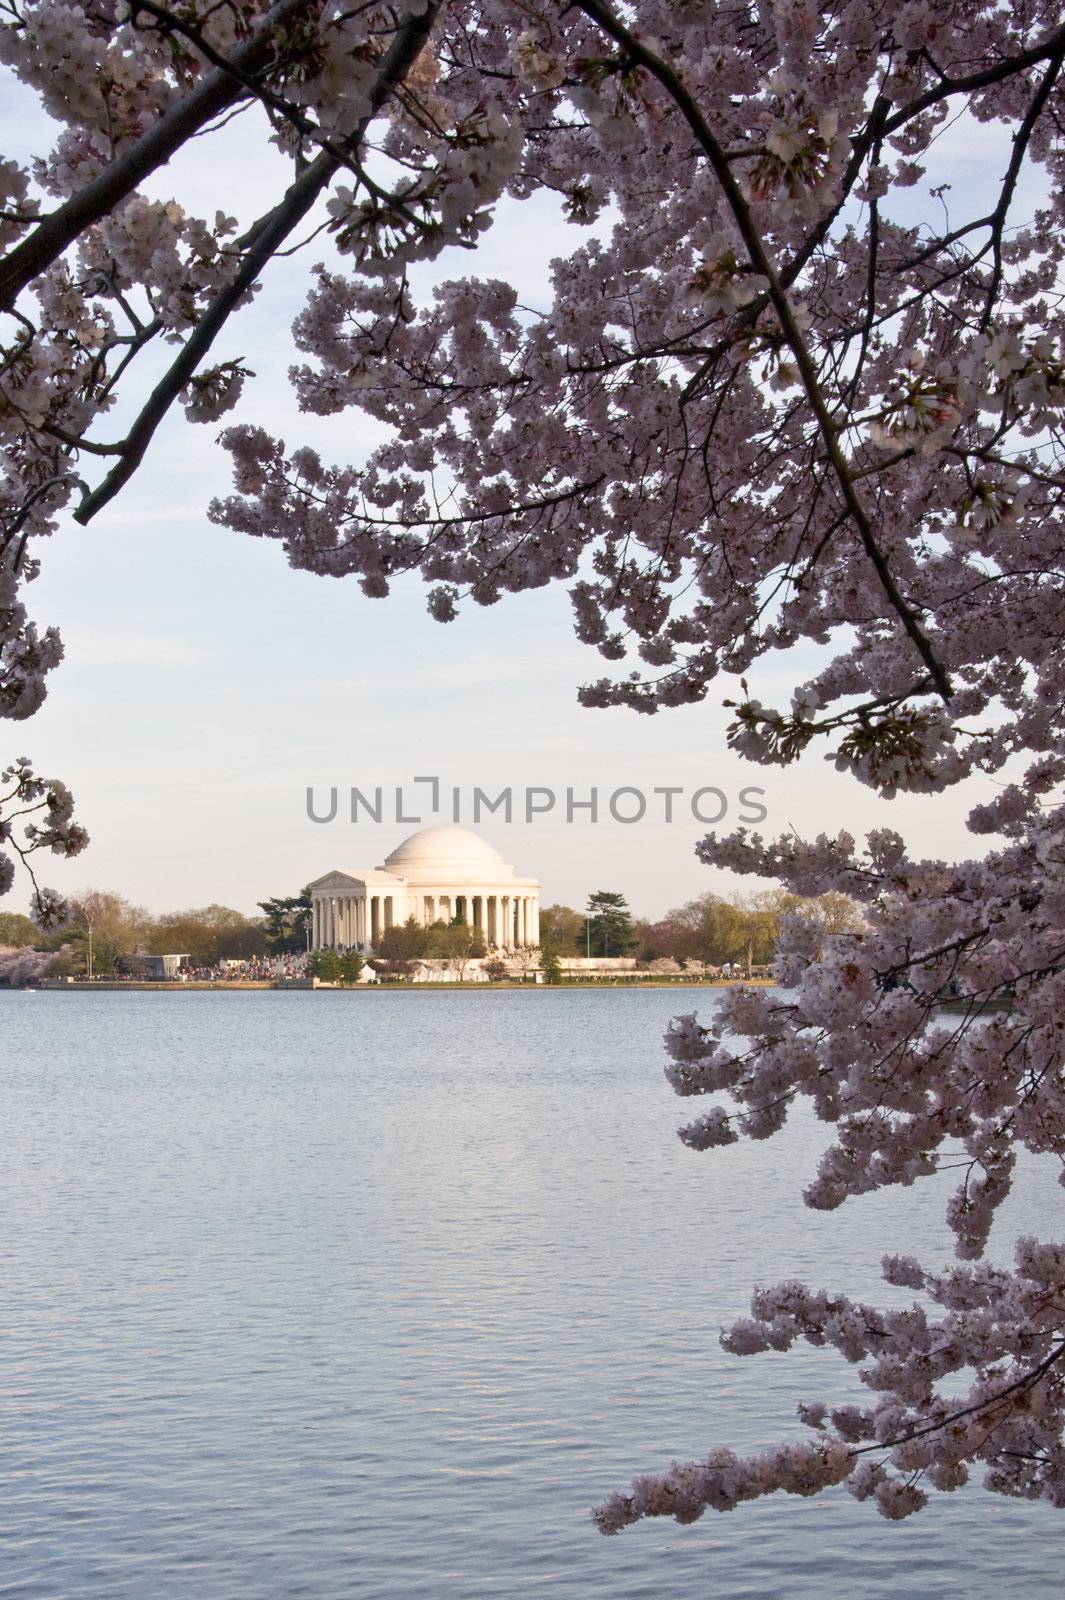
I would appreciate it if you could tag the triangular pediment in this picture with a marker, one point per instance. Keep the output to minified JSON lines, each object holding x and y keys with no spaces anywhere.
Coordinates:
{"x":337,"y":882}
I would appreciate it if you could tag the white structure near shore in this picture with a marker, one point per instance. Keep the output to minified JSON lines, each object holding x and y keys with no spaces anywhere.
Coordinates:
{"x":434,"y":876}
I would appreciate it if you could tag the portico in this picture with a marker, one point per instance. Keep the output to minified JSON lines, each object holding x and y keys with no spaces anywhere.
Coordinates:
{"x":435,"y":876}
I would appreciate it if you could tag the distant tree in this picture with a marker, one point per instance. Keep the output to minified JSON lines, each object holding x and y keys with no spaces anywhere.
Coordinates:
{"x":550,"y":965}
{"x":17,"y":931}
{"x":611,"y":930}
{"x":404,"y":941}
{"x":704,"y":929}
{"x":526,"y":958}
{"x":495,"y":970}
{"x":563,"y":929}
{"x":99,"y":927}
{"x":208,"y":935}
{"x":456,"y":943}
{"x":287,"y":923}
{"x":324,"y":964}
{"x":742,"y":928}
{"x":836,"y":912}
{"x":351,"y":965}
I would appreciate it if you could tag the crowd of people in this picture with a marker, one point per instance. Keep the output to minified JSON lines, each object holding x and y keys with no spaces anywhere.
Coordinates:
{"x":256,"y":969}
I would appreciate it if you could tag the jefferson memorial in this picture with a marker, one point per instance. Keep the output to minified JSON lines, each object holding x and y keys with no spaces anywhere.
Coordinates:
{"x":435,"y":875}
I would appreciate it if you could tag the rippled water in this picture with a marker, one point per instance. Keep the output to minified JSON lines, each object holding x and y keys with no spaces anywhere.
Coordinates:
{"x":365,"y":1294}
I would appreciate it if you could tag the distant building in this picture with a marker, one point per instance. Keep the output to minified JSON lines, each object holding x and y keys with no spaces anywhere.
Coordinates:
{"x":435,"y":875}
{"x":154,"y":967}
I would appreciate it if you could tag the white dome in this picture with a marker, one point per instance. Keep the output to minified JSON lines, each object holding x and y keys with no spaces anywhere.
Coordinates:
{"x":439,"y":853}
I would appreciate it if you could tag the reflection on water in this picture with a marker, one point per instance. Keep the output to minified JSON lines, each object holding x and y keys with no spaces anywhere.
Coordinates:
{"x":368,"y":1294}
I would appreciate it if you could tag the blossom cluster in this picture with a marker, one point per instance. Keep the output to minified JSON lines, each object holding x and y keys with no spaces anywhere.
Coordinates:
{"x":36,"y":814}
{"x":785,"y":388}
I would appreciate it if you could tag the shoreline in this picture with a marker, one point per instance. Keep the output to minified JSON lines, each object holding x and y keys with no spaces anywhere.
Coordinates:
{"x":250,"y":985}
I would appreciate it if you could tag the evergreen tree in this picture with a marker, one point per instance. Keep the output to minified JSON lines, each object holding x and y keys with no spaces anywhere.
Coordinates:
{"x":324,"y":964}
{"x":351,"y":966}
{"x":611,"y":932}
{"x":288,"y":921}
{"x":550,"y":966}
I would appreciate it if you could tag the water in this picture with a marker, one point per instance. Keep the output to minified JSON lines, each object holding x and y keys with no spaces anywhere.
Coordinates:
{"x":346,"y":1295}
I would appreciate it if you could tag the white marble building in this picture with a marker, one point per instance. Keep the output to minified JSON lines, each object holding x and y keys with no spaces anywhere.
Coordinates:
{"x":435,"y":875}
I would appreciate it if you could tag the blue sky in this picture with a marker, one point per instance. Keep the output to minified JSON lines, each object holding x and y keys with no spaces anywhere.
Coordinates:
{"x":207,"y":685}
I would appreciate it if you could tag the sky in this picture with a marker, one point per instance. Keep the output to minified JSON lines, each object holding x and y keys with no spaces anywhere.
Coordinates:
{"x":207,"y":686}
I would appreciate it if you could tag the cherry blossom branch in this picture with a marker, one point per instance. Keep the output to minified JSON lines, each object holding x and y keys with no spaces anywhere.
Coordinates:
{"x":1020,"y":146}
{"x":152,"y":150}
{"x":640,"y":53}
{"x":268,"y":236}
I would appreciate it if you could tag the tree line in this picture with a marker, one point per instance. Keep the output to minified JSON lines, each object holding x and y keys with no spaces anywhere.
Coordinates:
{"x":711,"y":928}
{"x":105,"y":927}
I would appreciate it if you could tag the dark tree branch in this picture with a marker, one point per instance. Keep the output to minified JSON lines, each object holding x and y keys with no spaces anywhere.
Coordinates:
{"x":269,"y":235}
{"x":1020,"y":148}
{"x":678,"y":91}
{"x":153,"y":149}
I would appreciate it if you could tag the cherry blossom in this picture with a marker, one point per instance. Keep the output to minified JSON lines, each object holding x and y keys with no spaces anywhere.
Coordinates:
{"x":786,"y":387}
{"x":36,"y":814}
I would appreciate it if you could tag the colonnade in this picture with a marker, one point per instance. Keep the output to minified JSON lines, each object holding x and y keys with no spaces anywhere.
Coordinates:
{"x":509,"y":920}
{"x":349,"y":920}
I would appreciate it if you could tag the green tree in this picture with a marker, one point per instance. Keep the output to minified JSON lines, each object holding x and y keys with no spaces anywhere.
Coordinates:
{"x":324,"y":964}
{"x":287,"y":922}
{"x":208,"y":935}
{"x":836,"y":912}
{"x":405,"y":941}
{"x":611,"y":932}
{"x":456,"y":943}
{"x":549,"y":963}
{"x":563,"y":929}
{"x":101,"y":926}
{"x":16,"y":931}
{"x":351,"y":965}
